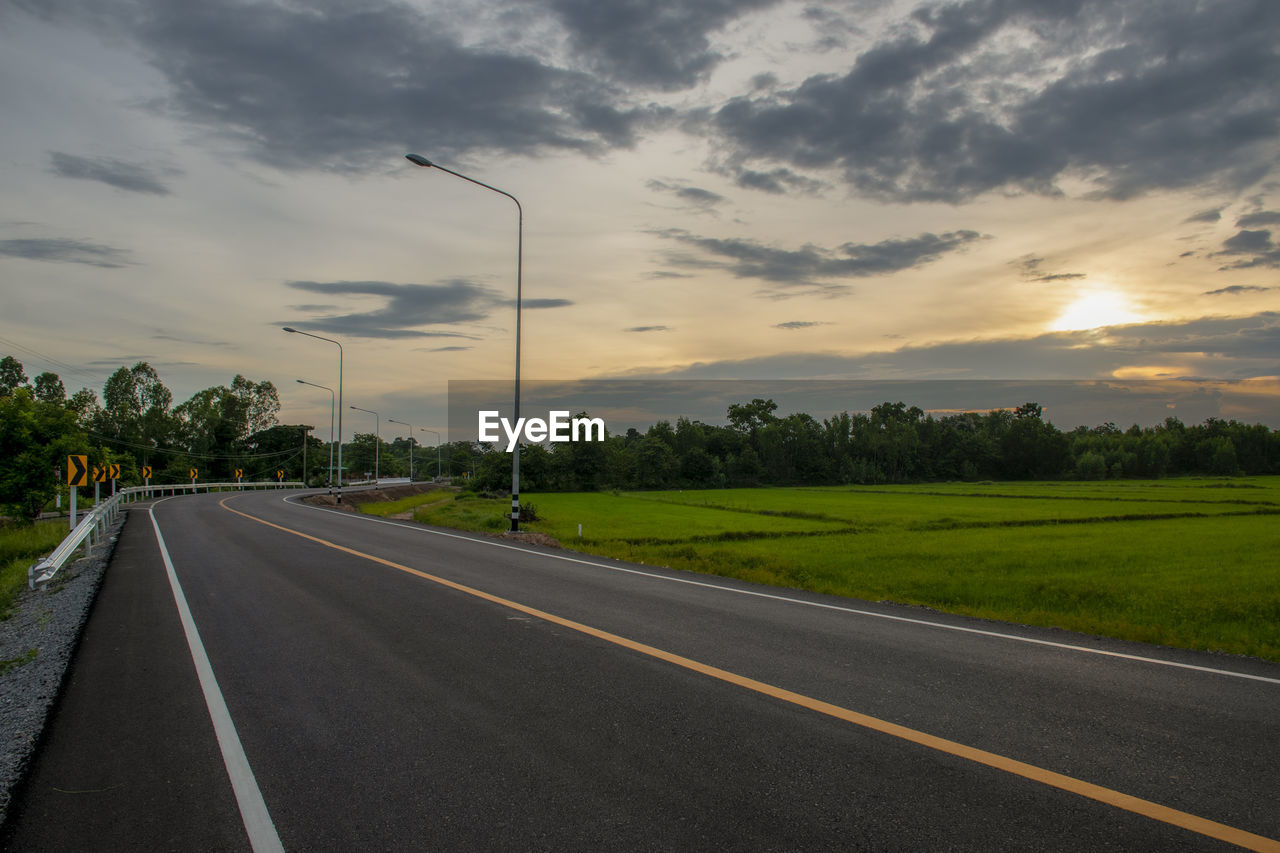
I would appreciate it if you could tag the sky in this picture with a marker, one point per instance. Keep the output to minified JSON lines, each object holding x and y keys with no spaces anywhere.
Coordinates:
{"x":864,"y":190}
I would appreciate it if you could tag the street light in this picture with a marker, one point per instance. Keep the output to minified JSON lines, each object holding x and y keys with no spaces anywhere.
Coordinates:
{"x":331,"y":408}
{"x":419,"y":160}
{"x":377,"y":425}
{"x":410,"y":426}
{"x":339,"y":346}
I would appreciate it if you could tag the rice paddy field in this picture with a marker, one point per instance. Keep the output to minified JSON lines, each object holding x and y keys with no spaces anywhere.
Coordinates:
{"x":1193,"y":563}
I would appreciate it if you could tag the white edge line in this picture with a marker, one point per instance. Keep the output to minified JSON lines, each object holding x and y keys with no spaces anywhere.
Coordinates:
{"x":253,"y":809}
{"x":800,"y":601}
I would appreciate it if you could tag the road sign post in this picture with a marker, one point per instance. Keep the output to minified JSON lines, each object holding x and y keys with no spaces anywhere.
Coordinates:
{"x":146,"y":478}
{"x":77,"y":475}
{"x":193,"y":473}
{"x":99,"y":477}
{"x":239,"y":477}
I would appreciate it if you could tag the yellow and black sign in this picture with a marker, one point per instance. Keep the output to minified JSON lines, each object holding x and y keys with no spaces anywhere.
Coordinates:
{"x":279,"y":473}
{"x":113,"y":471}
{"x":100,"y":474}
{"x":193,"y":473}
{"x":146,"y":472}
{"x":239,"y":473}
{"x":77,"y":470}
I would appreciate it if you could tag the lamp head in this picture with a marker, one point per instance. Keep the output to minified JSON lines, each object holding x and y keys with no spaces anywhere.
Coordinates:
{"x":419,"y":160}
{"x":290,"y":329}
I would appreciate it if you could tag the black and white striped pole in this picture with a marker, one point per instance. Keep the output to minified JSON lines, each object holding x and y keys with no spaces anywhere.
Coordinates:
{"x":419,"y":160}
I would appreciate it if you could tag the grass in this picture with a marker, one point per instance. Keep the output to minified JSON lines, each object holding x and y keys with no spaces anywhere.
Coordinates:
{"x":19,"y":548}
{"x":396,"y":507}
{"x":1186,"y":562}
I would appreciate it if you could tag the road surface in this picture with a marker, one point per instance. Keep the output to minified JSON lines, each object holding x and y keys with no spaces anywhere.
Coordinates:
{"x":261,"y":674}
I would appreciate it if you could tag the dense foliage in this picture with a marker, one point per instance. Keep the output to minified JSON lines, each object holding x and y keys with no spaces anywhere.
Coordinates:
{"x":894,"y":443}
{"x":224,"y":429}
{"x":217,"y":431}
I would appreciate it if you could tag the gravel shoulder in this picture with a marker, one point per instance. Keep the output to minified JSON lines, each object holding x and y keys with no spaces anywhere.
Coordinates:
{"x":45,"y":625}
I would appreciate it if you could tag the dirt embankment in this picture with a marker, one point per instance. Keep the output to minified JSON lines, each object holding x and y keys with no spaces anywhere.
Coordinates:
{"x":353,"y":498}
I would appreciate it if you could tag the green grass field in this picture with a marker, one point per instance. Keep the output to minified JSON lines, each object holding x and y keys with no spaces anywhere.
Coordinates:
{"x":1185,"y":562}
{"x":19,"y":548}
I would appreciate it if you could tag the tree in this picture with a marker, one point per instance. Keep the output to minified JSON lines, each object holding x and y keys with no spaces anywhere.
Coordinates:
{"x":49,"y":389}
{"x":12,"y":376}
{"x":35,"y":439}
{"x":135,"y":410}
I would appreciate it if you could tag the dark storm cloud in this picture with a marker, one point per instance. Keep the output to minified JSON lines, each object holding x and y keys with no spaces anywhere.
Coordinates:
{"x":408,"y":307}
{"x":1016,"y":95}
{"x":63,"y":250}
{"x":350,"y":86}
{"x":661,"y":44}
{"x":1264,"y":251}
{"x":806,"y":265}
{"x":116,"y":173}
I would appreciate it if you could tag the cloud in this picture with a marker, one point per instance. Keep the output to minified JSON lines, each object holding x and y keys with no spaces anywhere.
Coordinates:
{"x":116,"y":173}
{"x":1212,"y":215}
{"x":807,"y":265}
{"x":408,"y":308}
{"x":663,"y":44}
{"x":647,"y":329}
{"x":63,"y":250}
{"x":696,"y":198}
{"x":980,"y":96}
{"x":540,"y":303}
{"x":350,"y":86}
{"x":1262,"y":217}
{"x":448,"y":349}
{"x":776,"y":181}
{"x":800,"y":324}
{"x":1031,"y":271}
{"x":1256,"y":243}
{"x":1237,"y":289}
{"x":1223,"y":347}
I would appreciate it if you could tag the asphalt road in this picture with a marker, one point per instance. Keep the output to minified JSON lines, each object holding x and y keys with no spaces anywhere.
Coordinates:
{"x":390,"y":687}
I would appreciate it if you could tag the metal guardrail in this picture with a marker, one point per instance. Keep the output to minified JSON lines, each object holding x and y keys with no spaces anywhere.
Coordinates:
{"x":92,"y":527}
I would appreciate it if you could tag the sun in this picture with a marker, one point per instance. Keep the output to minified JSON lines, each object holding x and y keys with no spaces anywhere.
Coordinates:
{"x":1095,"y":309}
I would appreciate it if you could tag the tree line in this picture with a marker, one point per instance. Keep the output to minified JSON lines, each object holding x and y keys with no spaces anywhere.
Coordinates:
{"x":135,"y":423}
{"x":893,"y":443}
{"x":226,"y":428}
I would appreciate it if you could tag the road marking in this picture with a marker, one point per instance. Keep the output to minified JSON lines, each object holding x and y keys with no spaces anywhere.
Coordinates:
{"x":253,"y":809}
{"x":818,"y":604}
{"x":1126,"y":802}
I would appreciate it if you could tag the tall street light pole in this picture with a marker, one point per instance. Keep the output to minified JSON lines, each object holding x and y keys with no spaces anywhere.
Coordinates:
{"x":339,"y":346}
{"x":332,"y":406}
{"x":377,"y":425}
{"x":419,"y":160}
{"x":410,"y":426}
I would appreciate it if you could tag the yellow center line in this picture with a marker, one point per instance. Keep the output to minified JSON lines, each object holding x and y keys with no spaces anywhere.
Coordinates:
{"x":1136,"y":805}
